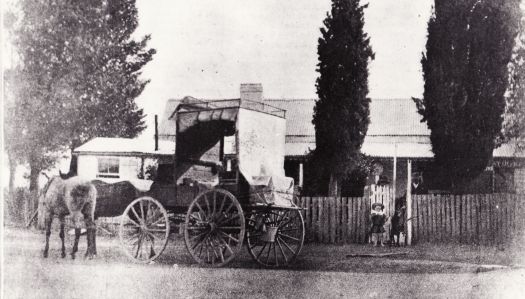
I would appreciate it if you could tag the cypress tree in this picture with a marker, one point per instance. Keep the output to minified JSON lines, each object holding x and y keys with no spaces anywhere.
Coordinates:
{"x":341,"y":114}
{"x":465,"y":70}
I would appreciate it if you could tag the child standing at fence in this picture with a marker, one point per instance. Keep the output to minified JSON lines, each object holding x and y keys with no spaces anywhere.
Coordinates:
{"x":378,"y":219}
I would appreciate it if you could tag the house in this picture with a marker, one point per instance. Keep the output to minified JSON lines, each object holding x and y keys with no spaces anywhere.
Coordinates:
{"x":116,"y":159}
{"x":396,"y":140}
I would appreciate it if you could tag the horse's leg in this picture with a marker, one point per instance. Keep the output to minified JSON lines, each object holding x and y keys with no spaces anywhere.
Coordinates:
{"x":75,"y":243}
{"x":62,"y":223}
{"x":91,"y":236}
{"x":48,"y":221}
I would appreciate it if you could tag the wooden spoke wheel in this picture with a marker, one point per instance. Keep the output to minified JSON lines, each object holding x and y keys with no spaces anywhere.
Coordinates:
{"x":214,"y":227}
{"x":275,"y":236}
{"x":144,"y":229}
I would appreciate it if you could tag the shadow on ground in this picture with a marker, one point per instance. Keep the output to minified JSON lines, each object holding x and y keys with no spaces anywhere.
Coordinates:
{"x":424,"y":258}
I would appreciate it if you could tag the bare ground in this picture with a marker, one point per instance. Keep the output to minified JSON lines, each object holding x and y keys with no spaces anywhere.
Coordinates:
{"x":321,"y":270}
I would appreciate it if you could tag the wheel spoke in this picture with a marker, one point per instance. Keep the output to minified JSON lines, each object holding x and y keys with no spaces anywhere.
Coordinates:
{"x":229,"y":227}
{"x":132,"y":221}
{"x":156,"y":230}
{"x":229,"y":236}
{"x":221,"y":256}
{"x":289,"y":237}
{"x":200,"y":250}
{"x":228,"y":219}
{"x":139,"y":246}
{"x":262,"y":249}
{"x":254,"y":235}
{"x":208,"y":210}
{"x":200,"y":241}
{"x":152,"y":235}
{"x":195,"y":227}
{"x":222,"y":203}
{"x":136,"y":214}
{"x":200,"y":209}
{"x":225,"y":244}
{"x":268,"y":253}
{"x":142,"y":209}
{"x":229,"y":208}
{"x":275,"y":254}
{"x":158,"y":220}
{"x":289,"y":229}
{"x":214,"y":203}
{"x":198,"y":235}
{"x":282,"y":251}
{"x":286,"y":245}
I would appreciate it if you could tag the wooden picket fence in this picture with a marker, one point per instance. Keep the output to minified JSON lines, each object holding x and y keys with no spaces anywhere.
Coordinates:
{"x":336,"y":220}
{"x":486,"y":219}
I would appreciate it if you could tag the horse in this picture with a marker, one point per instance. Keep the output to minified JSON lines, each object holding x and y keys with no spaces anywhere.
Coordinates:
{"x":75,"y":197}
{"x":398,"y":220}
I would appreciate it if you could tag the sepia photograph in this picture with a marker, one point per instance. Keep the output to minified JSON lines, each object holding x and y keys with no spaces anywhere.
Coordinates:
{"x":262,"y":149}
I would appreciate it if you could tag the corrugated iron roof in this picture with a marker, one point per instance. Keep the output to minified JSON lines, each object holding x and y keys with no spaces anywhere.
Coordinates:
{"x":388,"y":117}
{"x":125,"y":146}
{"x":391,"y":121}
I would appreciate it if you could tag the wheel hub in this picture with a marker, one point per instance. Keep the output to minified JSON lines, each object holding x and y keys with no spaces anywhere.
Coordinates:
{"x":269,"y":234}
{"x":213,"y":226}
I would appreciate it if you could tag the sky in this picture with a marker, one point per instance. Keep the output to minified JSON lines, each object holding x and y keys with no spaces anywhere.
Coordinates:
{"x":207,"y":48}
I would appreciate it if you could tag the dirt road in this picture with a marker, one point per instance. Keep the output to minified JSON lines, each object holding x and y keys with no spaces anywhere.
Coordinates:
{"x":27,"y":275}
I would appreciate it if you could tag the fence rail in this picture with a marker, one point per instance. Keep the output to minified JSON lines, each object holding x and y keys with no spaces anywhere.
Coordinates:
{"x":486,"y":219}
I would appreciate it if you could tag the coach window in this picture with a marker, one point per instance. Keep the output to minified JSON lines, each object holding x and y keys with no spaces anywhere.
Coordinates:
{"x":108,"y":167}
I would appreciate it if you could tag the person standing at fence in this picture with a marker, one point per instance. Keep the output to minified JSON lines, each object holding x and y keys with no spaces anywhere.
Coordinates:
{"x":378,"y":219}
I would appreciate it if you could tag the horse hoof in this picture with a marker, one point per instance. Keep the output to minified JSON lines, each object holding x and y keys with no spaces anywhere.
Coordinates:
{"x":45,"y":254}
{"x":63,"y":255}
{"x":73,"y":256}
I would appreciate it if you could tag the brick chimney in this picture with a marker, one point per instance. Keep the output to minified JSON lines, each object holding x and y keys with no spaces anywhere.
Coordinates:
{"x":252,"y":92}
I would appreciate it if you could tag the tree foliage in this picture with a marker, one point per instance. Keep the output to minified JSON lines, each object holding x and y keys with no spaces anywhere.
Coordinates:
{"x":77,"y":76}
{"x":514,"y":117}
{"x":465,"y":71}
{"x":341,"y":115}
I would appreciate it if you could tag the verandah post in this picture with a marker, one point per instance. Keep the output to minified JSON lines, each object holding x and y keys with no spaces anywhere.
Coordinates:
{"x":409,"y":202}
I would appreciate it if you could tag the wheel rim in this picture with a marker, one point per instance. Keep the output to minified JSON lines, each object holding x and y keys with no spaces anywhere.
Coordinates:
{"x":275,"y":237}
{"x":214,"y":228}
{"x":144,"y":229}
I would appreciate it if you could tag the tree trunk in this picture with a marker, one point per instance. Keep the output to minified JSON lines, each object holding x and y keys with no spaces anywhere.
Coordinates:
{"x":333,"y":186}
{"x":32,"y":204}
{"x":73,"y":165}
{"x":12,"y":174}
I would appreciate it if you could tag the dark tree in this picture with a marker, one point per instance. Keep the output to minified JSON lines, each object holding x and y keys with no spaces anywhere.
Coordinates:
{"x":514,"y":117}
{"x":465,"y":70}
{"x":77,"y":76}
{"x":341,"y":115}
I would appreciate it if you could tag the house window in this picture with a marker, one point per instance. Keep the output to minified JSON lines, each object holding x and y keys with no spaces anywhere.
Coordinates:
{"x":108,"y":167}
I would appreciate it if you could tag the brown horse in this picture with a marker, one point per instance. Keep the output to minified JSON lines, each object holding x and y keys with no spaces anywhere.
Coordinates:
{"x":75,"y":197}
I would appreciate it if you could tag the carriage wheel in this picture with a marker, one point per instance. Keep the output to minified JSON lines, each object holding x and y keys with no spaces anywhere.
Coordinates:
{"x":144,"y":229}
{"x":214,"y":227}
{"x":275,"y":236}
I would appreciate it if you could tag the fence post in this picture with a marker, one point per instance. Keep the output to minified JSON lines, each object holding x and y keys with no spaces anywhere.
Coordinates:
{"x":409,"y":201}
